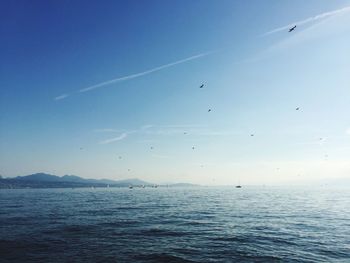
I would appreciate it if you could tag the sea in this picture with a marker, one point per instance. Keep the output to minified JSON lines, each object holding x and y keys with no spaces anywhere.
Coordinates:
{"x":192,"y":224}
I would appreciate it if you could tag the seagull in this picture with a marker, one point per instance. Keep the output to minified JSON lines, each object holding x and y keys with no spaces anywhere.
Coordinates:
{"x":201,"y":86}
{"x":252,"y":135}
{"x":209,"y":110}
{"x":297,"y":108}
{"x":291,"y":29}
{"x":193,"y":148}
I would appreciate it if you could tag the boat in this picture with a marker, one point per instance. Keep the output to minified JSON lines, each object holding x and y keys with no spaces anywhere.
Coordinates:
{"x":238,"y":186}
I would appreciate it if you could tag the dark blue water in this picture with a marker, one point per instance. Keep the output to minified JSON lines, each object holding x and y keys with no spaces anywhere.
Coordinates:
{"x":175,"y":225}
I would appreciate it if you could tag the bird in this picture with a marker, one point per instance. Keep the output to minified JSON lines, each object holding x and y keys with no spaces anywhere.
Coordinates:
{"x":297,"y":108}
{"x":291,"y":29}
{"x":192,"y":147}
{"x":201,"y":86}
{"x":209,"y":110}
{"x":151,"y":147}
{"x":252,"y":135}
{"x":185,"y":133}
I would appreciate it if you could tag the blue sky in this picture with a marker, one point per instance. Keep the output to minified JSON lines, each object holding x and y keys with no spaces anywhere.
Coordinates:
{"x":51,"y":51}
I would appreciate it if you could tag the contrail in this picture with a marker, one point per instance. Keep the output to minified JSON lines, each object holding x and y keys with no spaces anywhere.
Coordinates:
{"x":119,"y":138}
{"x":136,"y":75}
{"x":61,"y":97}
{"x":309,"y":20}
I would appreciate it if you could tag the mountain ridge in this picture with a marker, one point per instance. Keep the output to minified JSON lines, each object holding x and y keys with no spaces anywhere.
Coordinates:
{"x":44,"y":180}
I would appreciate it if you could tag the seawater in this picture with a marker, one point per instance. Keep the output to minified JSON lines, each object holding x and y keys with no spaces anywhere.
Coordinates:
{"x":197,"y":224}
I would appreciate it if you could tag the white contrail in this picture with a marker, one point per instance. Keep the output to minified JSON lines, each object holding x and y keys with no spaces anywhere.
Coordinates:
{"x":119,"y":138}
{"x":136,"y":75}
{"x":61,"y":97}
{"x":309,"y":20}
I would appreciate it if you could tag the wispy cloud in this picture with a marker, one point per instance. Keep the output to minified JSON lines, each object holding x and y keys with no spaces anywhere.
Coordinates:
{"x":166,"y":130}
{"x":61,"y":97}
{"x":309,"y":20}
{"x":118,"y":138}
{"x":140,"y":74}
{"x":146,"y":127}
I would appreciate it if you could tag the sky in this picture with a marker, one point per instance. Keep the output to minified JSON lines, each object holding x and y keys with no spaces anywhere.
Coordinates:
{"x":111,"y":89}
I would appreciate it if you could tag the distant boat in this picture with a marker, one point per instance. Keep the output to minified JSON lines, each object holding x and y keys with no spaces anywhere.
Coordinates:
{"x":239,"y":185}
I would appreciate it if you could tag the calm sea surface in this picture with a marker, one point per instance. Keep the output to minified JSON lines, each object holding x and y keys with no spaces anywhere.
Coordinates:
{"x":175,"y":225}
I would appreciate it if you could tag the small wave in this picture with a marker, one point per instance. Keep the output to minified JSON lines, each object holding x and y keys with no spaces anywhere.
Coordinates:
{"x":162,"y":257}
{"x":162,"y":232}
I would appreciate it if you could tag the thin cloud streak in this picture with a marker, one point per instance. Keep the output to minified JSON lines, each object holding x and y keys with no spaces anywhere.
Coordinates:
{"x":309,"y":20}
{"x":61,"y":97}
{"x":119,"y":138}
{"x":140,"y":74}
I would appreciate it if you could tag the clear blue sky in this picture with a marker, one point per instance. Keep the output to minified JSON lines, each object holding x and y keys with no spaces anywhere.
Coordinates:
{"x":253,"y":82}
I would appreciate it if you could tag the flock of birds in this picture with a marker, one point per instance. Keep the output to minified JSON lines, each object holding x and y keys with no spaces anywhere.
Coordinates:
{"x":209,"y":110}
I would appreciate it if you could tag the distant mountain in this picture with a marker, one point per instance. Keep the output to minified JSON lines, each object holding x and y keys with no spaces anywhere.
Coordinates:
{"x":133,"y":181}
{"x":42,"y":180}
{"x":39,"y":177}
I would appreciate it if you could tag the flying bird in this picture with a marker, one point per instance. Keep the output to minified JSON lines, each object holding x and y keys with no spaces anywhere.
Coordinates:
{"x":291,"y":29}
{"x":252,"y":135}
{"x":201,"y":86}
{"x":209,"y":110}
{"x":297,"y":108}
{"x":193,"y":148}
